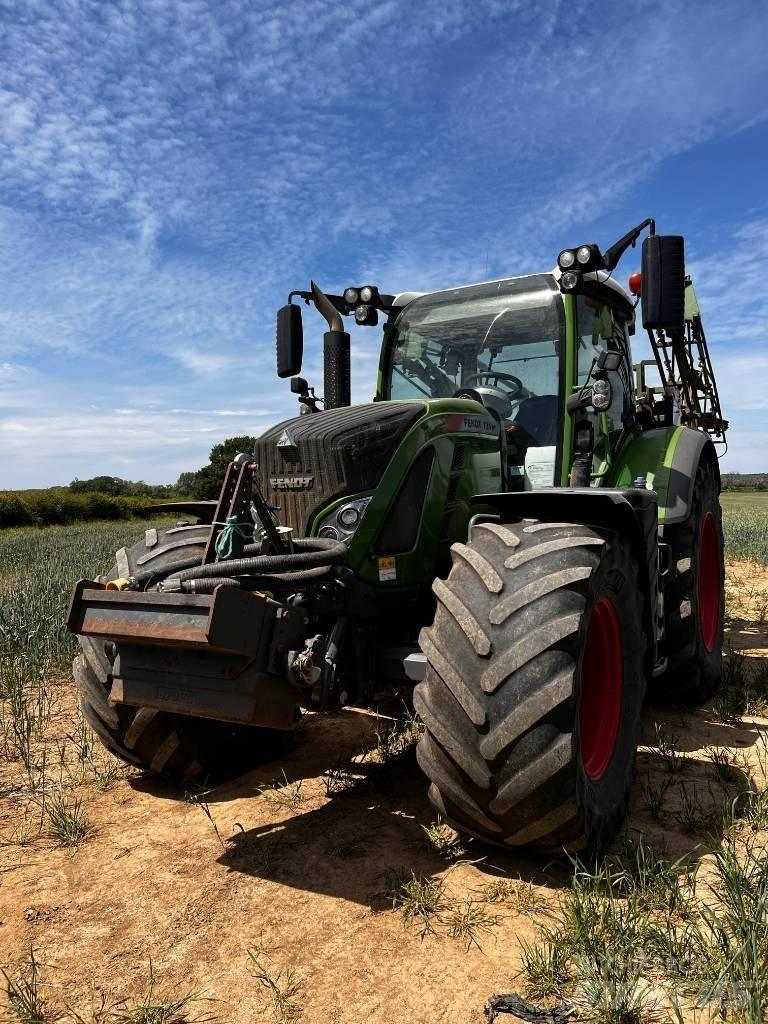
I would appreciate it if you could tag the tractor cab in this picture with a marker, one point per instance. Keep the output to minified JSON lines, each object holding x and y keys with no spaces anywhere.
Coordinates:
{"x":519,"y":347}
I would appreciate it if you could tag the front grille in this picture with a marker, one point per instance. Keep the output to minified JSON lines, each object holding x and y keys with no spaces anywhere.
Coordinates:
{"x":307,"y":462}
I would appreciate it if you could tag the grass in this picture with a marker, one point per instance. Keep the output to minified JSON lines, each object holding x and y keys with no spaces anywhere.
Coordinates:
{"x":282,"y":987}
{"x":518,"y":896}
{"x":469,"y":921}
{"x":666,"y":745}
{"x":546,"y":968}
{"x":442,"y":839}
{"x":639,"y":938}
{"x":655,"y":795}
{"x":26,"y":1003}
{"x":39,"y":567}
{"x":284,"y":794}
{"x":422,"y":901}
{"x":65,"y":819}
{"x":745,"y":524}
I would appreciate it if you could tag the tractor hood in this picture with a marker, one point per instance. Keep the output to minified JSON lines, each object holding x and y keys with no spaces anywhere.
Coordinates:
{"x":309,"y":461}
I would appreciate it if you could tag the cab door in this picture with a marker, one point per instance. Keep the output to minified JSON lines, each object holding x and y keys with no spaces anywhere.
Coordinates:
{"x":600,"y":329}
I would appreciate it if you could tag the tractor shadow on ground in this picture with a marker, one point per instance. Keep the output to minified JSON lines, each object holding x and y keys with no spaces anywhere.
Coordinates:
{"x":373,"y":825}
{"x":349,"y":846}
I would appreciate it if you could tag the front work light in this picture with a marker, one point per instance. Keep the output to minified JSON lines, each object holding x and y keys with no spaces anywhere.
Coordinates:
{"x":367,"y":293}
{"x":351,"y":296}
{"x":366,"y":316}
{"x":570,"y":281}
{"x":586,"y":258}
{"x":601,"y":395}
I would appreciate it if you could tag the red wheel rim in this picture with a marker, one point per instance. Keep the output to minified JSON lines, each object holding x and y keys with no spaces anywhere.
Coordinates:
{"x":709,"y":582}
{"x":602,"y":684}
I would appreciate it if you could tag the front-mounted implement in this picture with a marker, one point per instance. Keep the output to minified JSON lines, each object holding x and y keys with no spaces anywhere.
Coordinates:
{"x":512,"y":524}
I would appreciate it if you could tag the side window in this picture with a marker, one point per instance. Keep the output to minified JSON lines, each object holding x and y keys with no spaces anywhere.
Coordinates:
{"x":597,"y":331}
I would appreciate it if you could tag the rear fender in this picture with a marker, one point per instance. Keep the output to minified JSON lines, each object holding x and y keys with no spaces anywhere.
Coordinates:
{"x":668,"y":458}
{"x":632,"y":512}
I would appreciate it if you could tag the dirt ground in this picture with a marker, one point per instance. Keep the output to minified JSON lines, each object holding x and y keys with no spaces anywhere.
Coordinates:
{"x":156,"y":887}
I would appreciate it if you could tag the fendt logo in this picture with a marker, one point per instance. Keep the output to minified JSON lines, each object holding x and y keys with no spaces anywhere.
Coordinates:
{"x":291,"y":483}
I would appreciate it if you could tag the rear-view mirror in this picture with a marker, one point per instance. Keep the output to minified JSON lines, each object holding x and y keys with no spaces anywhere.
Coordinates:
{"x":290,"y":340}
{"x":663,"y":282}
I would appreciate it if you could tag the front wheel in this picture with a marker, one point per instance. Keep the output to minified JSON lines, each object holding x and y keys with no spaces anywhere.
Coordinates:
{"x":534,"y":686}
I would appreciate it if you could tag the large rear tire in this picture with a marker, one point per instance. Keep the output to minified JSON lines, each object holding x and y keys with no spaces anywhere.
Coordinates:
{"x":178,"y":747}
{"x":694,"y":596}
{"x":534,"y":686}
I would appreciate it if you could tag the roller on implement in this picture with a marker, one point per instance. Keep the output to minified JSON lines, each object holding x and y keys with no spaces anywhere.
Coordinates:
{"x":521,"y":526}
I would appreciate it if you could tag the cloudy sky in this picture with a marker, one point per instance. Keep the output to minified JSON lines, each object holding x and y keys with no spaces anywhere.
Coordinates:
{"x":170,"y":169}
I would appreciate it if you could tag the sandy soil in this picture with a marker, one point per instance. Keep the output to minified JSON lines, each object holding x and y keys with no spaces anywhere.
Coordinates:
{"x":154,"y":882}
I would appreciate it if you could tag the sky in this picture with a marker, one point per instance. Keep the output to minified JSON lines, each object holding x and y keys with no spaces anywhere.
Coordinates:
{"x":171,"y":169}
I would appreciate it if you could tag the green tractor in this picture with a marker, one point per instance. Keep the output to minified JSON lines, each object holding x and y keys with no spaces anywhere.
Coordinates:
{"x":519,"y":527}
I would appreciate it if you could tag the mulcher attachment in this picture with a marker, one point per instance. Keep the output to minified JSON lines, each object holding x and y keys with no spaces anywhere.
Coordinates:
{"x":219,"y":655}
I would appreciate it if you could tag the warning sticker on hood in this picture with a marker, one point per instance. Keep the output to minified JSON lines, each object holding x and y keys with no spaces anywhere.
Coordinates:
{"x":387,"y":569}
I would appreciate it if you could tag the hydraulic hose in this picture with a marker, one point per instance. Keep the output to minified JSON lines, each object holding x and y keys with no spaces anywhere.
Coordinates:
{"x":208,"y":584}
{"x":313,"y":552}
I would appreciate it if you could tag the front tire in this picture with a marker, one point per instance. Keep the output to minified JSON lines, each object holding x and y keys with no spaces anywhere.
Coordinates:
{"x":534,"y":686}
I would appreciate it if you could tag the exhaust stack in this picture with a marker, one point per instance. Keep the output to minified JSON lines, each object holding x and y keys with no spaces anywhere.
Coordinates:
{"x":337,"y":377}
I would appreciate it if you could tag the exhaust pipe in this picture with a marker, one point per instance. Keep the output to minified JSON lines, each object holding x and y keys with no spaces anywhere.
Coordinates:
{"x":337,"y":379}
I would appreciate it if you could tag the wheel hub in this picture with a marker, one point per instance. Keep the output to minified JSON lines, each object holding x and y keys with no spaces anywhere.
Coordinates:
{"x":709,"y":582}
{"x":602,"y":685}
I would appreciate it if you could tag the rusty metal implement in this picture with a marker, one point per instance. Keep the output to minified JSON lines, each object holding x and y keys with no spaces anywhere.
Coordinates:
{"x":227,"y":620}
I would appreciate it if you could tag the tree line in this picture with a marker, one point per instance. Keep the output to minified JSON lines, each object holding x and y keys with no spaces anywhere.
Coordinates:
{"x":112,"y":497}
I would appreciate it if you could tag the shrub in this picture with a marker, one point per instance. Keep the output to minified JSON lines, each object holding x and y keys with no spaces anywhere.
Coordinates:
{"x":14,"y":511}
{"x":60,"y":506}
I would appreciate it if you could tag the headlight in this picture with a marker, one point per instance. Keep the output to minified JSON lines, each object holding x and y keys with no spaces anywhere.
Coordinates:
{"x":342,"y":522}
{"x":601,"y":395}
{"x":349,"y":517}
{"x":583,"y":255}
{"x":351,"y":296}
{"x":566,"y":259}
{"x":570,"y":281}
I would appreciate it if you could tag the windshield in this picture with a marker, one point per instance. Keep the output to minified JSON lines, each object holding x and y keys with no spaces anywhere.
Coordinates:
{"x":503,"y":337}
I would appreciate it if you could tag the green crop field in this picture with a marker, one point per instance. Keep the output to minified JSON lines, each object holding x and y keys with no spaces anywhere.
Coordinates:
{"x":38,"y":567}
{"x":745,"y":522}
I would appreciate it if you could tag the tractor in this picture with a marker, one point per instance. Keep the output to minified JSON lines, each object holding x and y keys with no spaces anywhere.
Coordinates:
{"x":522,"y":531}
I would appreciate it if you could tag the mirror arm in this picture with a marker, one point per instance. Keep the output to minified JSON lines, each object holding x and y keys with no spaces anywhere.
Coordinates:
{"x":617,"y":250}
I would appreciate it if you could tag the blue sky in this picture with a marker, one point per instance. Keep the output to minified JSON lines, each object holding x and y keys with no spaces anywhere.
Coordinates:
{"x":170,"y":169}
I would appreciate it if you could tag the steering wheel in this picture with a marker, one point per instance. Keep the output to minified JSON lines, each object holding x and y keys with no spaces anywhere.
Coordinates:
{"x":492,"y":396}
{"x":496,"y":376}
